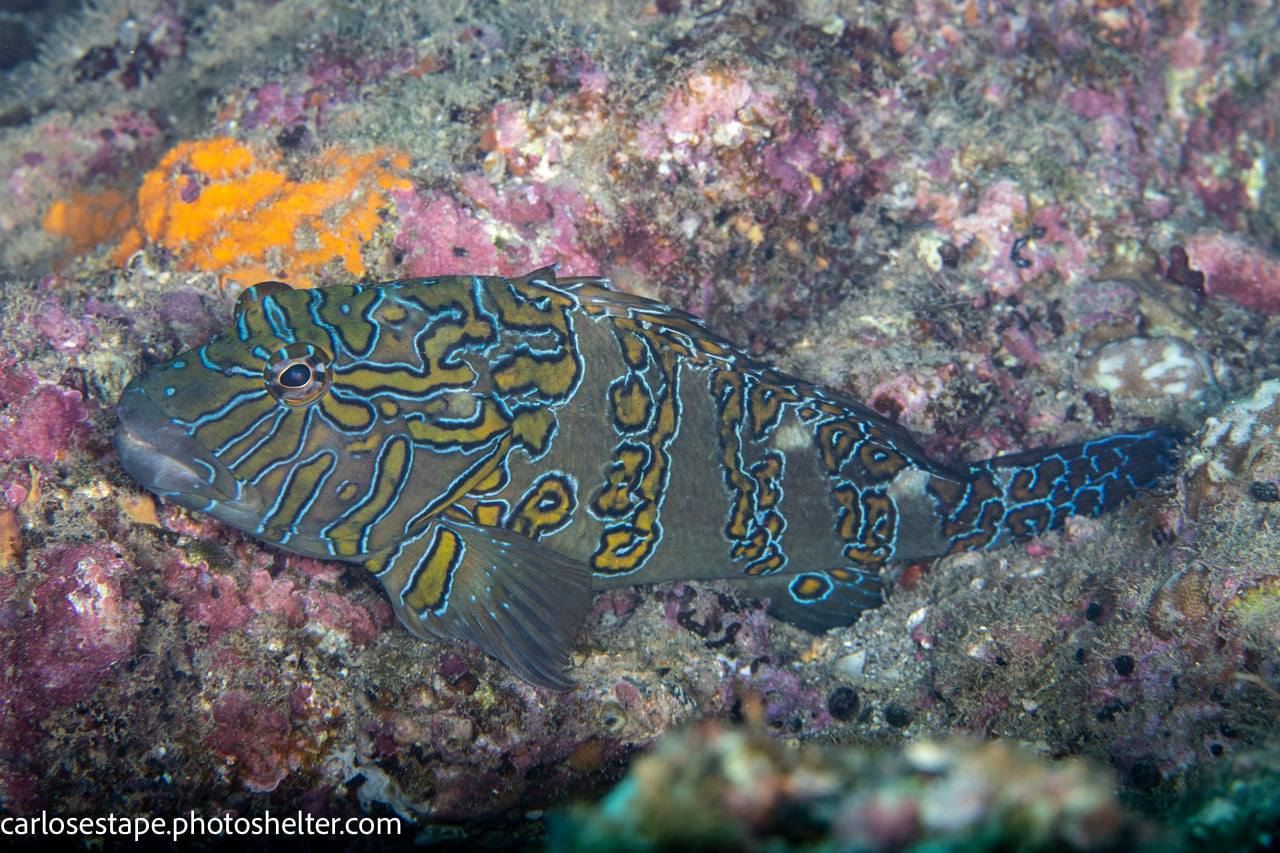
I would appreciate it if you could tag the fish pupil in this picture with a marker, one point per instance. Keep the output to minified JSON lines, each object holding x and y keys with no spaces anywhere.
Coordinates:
{"x":295,"y":376}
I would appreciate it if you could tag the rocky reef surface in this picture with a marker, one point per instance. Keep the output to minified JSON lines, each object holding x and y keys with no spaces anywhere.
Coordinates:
{"x":1003,"y":224}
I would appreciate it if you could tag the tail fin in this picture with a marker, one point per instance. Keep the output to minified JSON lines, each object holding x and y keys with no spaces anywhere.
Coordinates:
{"x":1024,"y":494}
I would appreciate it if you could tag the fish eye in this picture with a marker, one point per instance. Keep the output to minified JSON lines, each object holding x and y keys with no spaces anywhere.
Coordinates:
{"x":296,"y":375}
{"x":299,"y":374}
{"x":257,"y":293}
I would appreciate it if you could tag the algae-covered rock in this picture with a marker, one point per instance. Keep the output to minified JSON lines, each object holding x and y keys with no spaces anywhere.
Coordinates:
{"x":712,"y":788}
{"x":1236,"y":806}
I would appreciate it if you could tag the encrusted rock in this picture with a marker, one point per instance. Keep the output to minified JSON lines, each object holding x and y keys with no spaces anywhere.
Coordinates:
{"x":1238,"y":446}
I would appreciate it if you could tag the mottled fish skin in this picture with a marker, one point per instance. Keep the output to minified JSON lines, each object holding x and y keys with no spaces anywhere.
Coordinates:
{"x":493,"y":449}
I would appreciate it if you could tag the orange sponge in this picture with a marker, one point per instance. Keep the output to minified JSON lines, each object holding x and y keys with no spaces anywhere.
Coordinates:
{"x":217,"y":206}
{"x":87,"y":219}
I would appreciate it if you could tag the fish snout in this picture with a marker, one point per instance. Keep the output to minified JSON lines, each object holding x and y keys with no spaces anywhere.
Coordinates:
{"x":164,"y":457}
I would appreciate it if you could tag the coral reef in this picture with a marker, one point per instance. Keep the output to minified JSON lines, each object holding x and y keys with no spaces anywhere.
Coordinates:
{"x":714,"y":789}
{"x":1234,"y":807}
{"x":1003,"y":225}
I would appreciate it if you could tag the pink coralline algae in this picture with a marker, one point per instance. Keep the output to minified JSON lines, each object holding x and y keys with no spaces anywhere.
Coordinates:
{"x":993,"y":225}
{"x":1093,"y":104}
{"x":731,"y":133}
{"x":76,"y":627}
{"x":213,"y":600}
{"x":259,"y":601}
{"x":186,"y":314}
{"x":336,"y":75}
{"x":533,"y":223}
{"x":1236,"y":270}
{"x":336,"y":613}
{"x":86,"y":625}
{"x":1017,"y":247}
{"x":789,"y":706}
{"x":714,"y":109}
{"x":254,"y":738}
{"x":1221,"y":164}
{"x":906,"y":396}
{"x":440,"y":237}
{"x":51,"y":320}
{"x":537,"y":140}
{"x":1105,"y":304}
{"x":39,"y":420}
{"x":743,"y":634}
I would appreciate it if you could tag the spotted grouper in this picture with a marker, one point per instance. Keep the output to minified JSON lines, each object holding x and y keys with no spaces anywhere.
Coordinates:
{"x":493,"y":450}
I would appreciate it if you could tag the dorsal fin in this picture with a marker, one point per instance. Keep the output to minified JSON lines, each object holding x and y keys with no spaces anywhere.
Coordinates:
{"x":595,"y":296}
{"x":545,"y":274}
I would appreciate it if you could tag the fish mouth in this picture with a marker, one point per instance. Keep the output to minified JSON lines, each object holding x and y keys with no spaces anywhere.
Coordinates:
{"x":165,"y":458}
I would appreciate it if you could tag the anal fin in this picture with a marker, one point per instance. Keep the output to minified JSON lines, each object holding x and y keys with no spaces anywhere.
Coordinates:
{"x":818,"y":601}
{"x":518,"y":600}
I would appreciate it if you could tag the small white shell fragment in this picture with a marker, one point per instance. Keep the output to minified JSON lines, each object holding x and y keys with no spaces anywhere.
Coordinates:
{"x":851,"y":665}
{"x":1150,"y":369}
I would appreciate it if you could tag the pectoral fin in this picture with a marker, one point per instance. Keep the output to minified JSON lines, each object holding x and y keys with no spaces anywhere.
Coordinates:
{"x":516,"y":599}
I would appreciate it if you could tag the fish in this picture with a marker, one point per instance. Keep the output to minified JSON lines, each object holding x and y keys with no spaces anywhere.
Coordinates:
{"x":494,"y":450}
